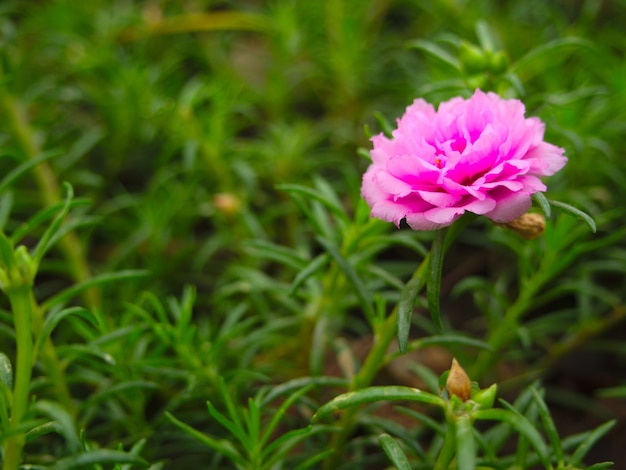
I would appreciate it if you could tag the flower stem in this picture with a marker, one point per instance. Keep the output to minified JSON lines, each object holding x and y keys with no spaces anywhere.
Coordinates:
{"x":449,"y":446}
{"x":21,"y":305}
{"x":384,"y":333}
{"x":49,"y":189}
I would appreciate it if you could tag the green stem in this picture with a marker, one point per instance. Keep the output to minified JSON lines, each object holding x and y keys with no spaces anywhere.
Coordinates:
{"x":449,"y":446}
{"x":21,"y":305}
{"x":506,"y":329}
{"x":384,"y":334}
{"x":24,"y":135}
{"x":52,"y":365}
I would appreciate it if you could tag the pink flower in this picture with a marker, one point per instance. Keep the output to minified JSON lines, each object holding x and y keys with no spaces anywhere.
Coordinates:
{"x":479,"y":155}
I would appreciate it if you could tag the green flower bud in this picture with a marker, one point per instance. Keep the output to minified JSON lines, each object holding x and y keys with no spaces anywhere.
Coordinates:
{"x":473,"y":58}
{"x":498,"y":62}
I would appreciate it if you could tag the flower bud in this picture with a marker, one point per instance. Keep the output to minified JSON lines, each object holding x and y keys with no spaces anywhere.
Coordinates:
{"x":458,"y":383}
{"x":498,"y":62}
{"x":528,"y":226}
{"x":472,"y":57}
{"x":227,"y":203}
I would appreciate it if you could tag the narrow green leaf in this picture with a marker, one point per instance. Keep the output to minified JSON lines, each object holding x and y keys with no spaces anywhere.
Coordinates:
{"x":327,"y":200}
{"x":43,"y":216}
{"x":433,"y":286}
{"x":117,"y":389}
{"x":485,"y":36}
{"x":311,"y":461}
{"x":222,"y":446}
{"x":55,"y":317}
{"x":548,"y":51}
{"x":64,"y":420}
{"x":272,"y":251}
{"x":374,"y":394}
{"x":522,"y":425}
{"x":453,"y":340}
{"x":278,"y":414}
{"x":361,"y":292}
{"x":302,"y":382}
{"x":7,"y":257}
{"x":549,"y":426}
{"x":601,"y":466}
{"x":571,"y":210}
{"x":234,"y":428}
{"x":20,"y":170}
{"x":425,"y":420}
{"x":543,"y":203}
{"x":76,"y":289}
{"x":253,"y":418}
{"x":44,"y":242}
{"x":583,"y":449}
{"x":279,"y":448}
{"x":384,"y":124}
{"x":407,"y":300}
{"x":98,"y":456}
{"x":465,"y":447}
{"x":6,"y":371}
{"x":314,"y":265}
{"x":233,"y":411}
{"x":42,"y":430}
{"x":136,"y":450}
{"x":395,"y":453}
{"x":437,"y":52}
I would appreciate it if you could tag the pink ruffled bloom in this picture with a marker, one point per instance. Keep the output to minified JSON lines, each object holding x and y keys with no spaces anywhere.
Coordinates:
{"x":479,"y":155}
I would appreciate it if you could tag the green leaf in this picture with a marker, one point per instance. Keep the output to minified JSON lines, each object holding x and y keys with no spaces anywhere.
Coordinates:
{"x":107,"y":278}
{"x":453,"y":340}
{"x":301,"y":382}
{"x":384,"y":124}
{"x":522,"y":425}
{"x":601,"y":466}
{"x":222,"y":446}
{"x":311,"y":461}
{"x":571,"y":210}
{"x":433,"y":286}
{"x":374,"y":394}
{"x":485,"y":36}
{"x":278,"y":414}
{"x":43,"y":216}
{"x":42,"y":430}
{"x":465,"y":447}
{"x":6,"y":371}
{"x":54,"y":318}
{"x":543,"y":203}
{"x":280,"y":447}
{"x":118,"y":388}
{"x":44,"y":242}
{"x":64,"y":420}
{"x":423,"y":419}
{"x":548,"y":51}
{"x":550,"y":427}
{"x":17,"y":172}
{"x":272,"y":251}
{"x":437,"y":52}
{"x":583,"y":449}
{"x":98,"y":456}
{"x":315,"y":265}
{"x":395,"y":453}
{"x":361,"y":292}
{"x":406,"y":303}
{"x":7,"y":256}
{"x":326,"y":198}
